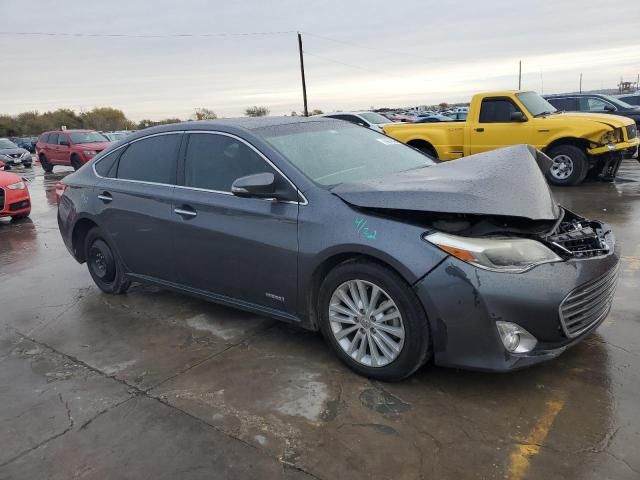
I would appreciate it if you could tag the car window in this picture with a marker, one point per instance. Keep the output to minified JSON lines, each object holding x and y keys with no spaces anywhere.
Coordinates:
{"x":566,"y":104}
{"x":62,"y":138}
{"x":497,"y":110}
{"x":593,"y":104}
{"x":151,"y":159}
{"x":631,"y":100}
{"x":215,"y":161}
{"x":53,"y":138}
{"x":106,"y":166}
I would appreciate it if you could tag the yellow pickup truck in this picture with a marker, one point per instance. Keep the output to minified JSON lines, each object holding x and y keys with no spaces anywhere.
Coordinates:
{"x":576,"y":142}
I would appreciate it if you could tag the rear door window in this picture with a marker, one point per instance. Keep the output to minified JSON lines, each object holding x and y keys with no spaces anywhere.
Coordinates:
{"x":215,"y":161}
{"x":566,"y":104}
{"x":53,"y":138}
{"x":497,"y":110}
{"x":152,"y":159}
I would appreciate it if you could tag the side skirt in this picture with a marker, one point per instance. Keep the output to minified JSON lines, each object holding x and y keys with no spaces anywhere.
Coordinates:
{"x":217,"y":298}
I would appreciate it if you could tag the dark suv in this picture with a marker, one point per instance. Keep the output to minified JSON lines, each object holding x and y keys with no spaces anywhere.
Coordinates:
{"x":69,"y":147}
{"x":595,"y":103}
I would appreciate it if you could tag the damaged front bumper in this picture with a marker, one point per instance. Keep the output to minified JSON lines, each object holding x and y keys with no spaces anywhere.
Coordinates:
{"x":463,"y":304}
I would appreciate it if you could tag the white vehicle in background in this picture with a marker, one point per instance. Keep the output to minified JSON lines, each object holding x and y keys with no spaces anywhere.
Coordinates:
{"x":371,"y":120}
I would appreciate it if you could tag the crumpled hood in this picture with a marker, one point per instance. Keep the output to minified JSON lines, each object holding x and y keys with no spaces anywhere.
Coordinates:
{"x":508,"y":181}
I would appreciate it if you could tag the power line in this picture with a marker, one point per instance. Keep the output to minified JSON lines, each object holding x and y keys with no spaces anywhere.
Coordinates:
{"x":143,"y":35}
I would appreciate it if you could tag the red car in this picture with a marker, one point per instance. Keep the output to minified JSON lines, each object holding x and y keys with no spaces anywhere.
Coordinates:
{"x":15,"y":201}
{"x":69,"y":147}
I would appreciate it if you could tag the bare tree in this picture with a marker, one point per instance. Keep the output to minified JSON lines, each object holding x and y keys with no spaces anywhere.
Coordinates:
{"x":204,"y":114}
{"x":256,"y":111}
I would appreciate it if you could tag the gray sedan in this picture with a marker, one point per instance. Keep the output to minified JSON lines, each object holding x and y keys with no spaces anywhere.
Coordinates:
{"x":394,"y":258}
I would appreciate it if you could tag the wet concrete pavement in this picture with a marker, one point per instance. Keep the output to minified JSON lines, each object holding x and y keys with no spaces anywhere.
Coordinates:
{"x":152,"y":384}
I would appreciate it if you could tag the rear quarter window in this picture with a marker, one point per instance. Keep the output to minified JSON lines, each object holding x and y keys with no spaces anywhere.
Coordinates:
{"x":152,"y":159}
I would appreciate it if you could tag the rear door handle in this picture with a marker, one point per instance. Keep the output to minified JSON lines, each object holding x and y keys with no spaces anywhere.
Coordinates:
{"x":185,"y":211}
{"x":479,"y":129}
{"x":105,"y":197}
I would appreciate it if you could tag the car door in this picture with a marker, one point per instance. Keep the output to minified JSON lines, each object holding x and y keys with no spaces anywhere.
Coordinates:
{"x":496,"y":128}
{"x":63,"y":151}
{"x":51,"y":149}
{"x":135,"y":196}
{"x":239,"y":248}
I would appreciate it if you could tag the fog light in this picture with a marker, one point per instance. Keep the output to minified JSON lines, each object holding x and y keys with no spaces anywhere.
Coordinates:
{"x":515,"y":338}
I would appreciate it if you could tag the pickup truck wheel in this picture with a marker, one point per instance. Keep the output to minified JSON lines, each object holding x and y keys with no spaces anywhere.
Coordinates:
{"x":569,"y":165}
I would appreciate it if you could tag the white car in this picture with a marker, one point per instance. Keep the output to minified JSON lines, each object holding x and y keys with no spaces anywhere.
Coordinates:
{"x":371,"y":120}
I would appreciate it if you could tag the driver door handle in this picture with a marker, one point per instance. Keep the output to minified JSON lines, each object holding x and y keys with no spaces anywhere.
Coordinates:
{"x":105,"y":197}
{"x":480,"y":129}
{"x":185,"y":211}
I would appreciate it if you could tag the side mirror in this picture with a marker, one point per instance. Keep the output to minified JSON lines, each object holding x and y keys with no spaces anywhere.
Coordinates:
{"x":517,"y":117}
{"x":258,"y":185}
{"x":609,"y":108}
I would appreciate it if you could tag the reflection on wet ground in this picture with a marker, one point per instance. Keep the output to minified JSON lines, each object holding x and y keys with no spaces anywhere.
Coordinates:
{"x":155,"y":384}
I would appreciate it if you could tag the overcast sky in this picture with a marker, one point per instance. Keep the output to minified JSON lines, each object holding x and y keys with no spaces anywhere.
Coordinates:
{"x":359,"y":53}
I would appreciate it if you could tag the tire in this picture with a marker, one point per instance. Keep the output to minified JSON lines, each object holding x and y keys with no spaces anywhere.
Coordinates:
{"x":104,"y":266}
{"x":46,"y":166}
{"x":570,"y":165}
{"x":413,"y":347}
{"x":75,"y":162}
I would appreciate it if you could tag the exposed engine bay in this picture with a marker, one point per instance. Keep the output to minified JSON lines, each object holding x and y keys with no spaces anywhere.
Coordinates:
{"x":571,"y":236}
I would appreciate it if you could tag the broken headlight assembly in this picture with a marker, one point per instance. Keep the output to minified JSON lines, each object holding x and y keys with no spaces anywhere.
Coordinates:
{"x":511,"y":255}
{"x":612,"y":136}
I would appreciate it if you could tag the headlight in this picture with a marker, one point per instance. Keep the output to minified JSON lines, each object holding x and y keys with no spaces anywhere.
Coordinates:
{"x":513,"y":255}
{"x":17,"y":186}
{"x":89,"y":153}
{"x":515,"y":338}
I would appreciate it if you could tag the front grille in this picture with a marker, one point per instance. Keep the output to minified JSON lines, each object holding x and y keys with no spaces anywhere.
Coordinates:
{"x":18,"y":205}
{"x":588,"y":304}
{"x":632,"y":132}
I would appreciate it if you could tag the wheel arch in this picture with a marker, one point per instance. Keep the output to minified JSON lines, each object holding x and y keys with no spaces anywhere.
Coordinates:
{"x":78,"y":236}
{"x":329,"y":263}
{"x":576,"y":142}
{"x":423,"y":145}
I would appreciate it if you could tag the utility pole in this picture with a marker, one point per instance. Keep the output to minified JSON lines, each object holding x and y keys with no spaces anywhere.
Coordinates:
{"x":580,"y":82}
{"x":304,"y":83}
{"x":520,"y":75}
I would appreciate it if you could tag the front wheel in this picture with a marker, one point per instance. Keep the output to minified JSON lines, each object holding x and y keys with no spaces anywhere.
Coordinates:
{"x":569,"y":167}
{"x":104,"y":267}
{"x":46,"y":166}
{"x":373,"y":321}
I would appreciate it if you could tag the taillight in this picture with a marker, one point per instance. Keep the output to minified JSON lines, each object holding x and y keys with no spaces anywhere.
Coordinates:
{"x":60,"y":188}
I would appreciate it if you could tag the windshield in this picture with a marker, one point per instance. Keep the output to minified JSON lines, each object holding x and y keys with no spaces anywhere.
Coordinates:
{"x":535,"y":104}
{"x":87,"y":137}
{"x":330,"y":153}
{"x":373,"y":117}
{"x":4,"y":143}
{"x":617,"y":102}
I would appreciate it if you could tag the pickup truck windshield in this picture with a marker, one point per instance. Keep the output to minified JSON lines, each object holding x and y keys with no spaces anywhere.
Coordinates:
{"x":331,"y":153}
{"x":535,"y":104}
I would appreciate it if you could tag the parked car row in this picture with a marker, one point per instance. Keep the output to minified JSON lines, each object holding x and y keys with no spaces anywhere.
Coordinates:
{"x":12,"y":155}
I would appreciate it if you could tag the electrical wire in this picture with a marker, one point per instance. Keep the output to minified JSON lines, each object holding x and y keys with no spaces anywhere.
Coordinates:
{"x":135,"y":35}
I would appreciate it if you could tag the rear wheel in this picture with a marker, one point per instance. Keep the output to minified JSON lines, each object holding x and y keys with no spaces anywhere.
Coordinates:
{"x":104,"y":267}
{"x":569,"y":167}
{"x":373,"y":321}
{"x":46,"y":166}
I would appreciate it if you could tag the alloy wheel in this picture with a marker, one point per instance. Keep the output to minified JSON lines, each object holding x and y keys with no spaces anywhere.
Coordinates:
{"x":562,"y":167}
{"x":366,"y":323}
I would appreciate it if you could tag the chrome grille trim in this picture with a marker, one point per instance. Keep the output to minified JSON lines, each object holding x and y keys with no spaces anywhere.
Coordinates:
{"x":588,"y":304}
